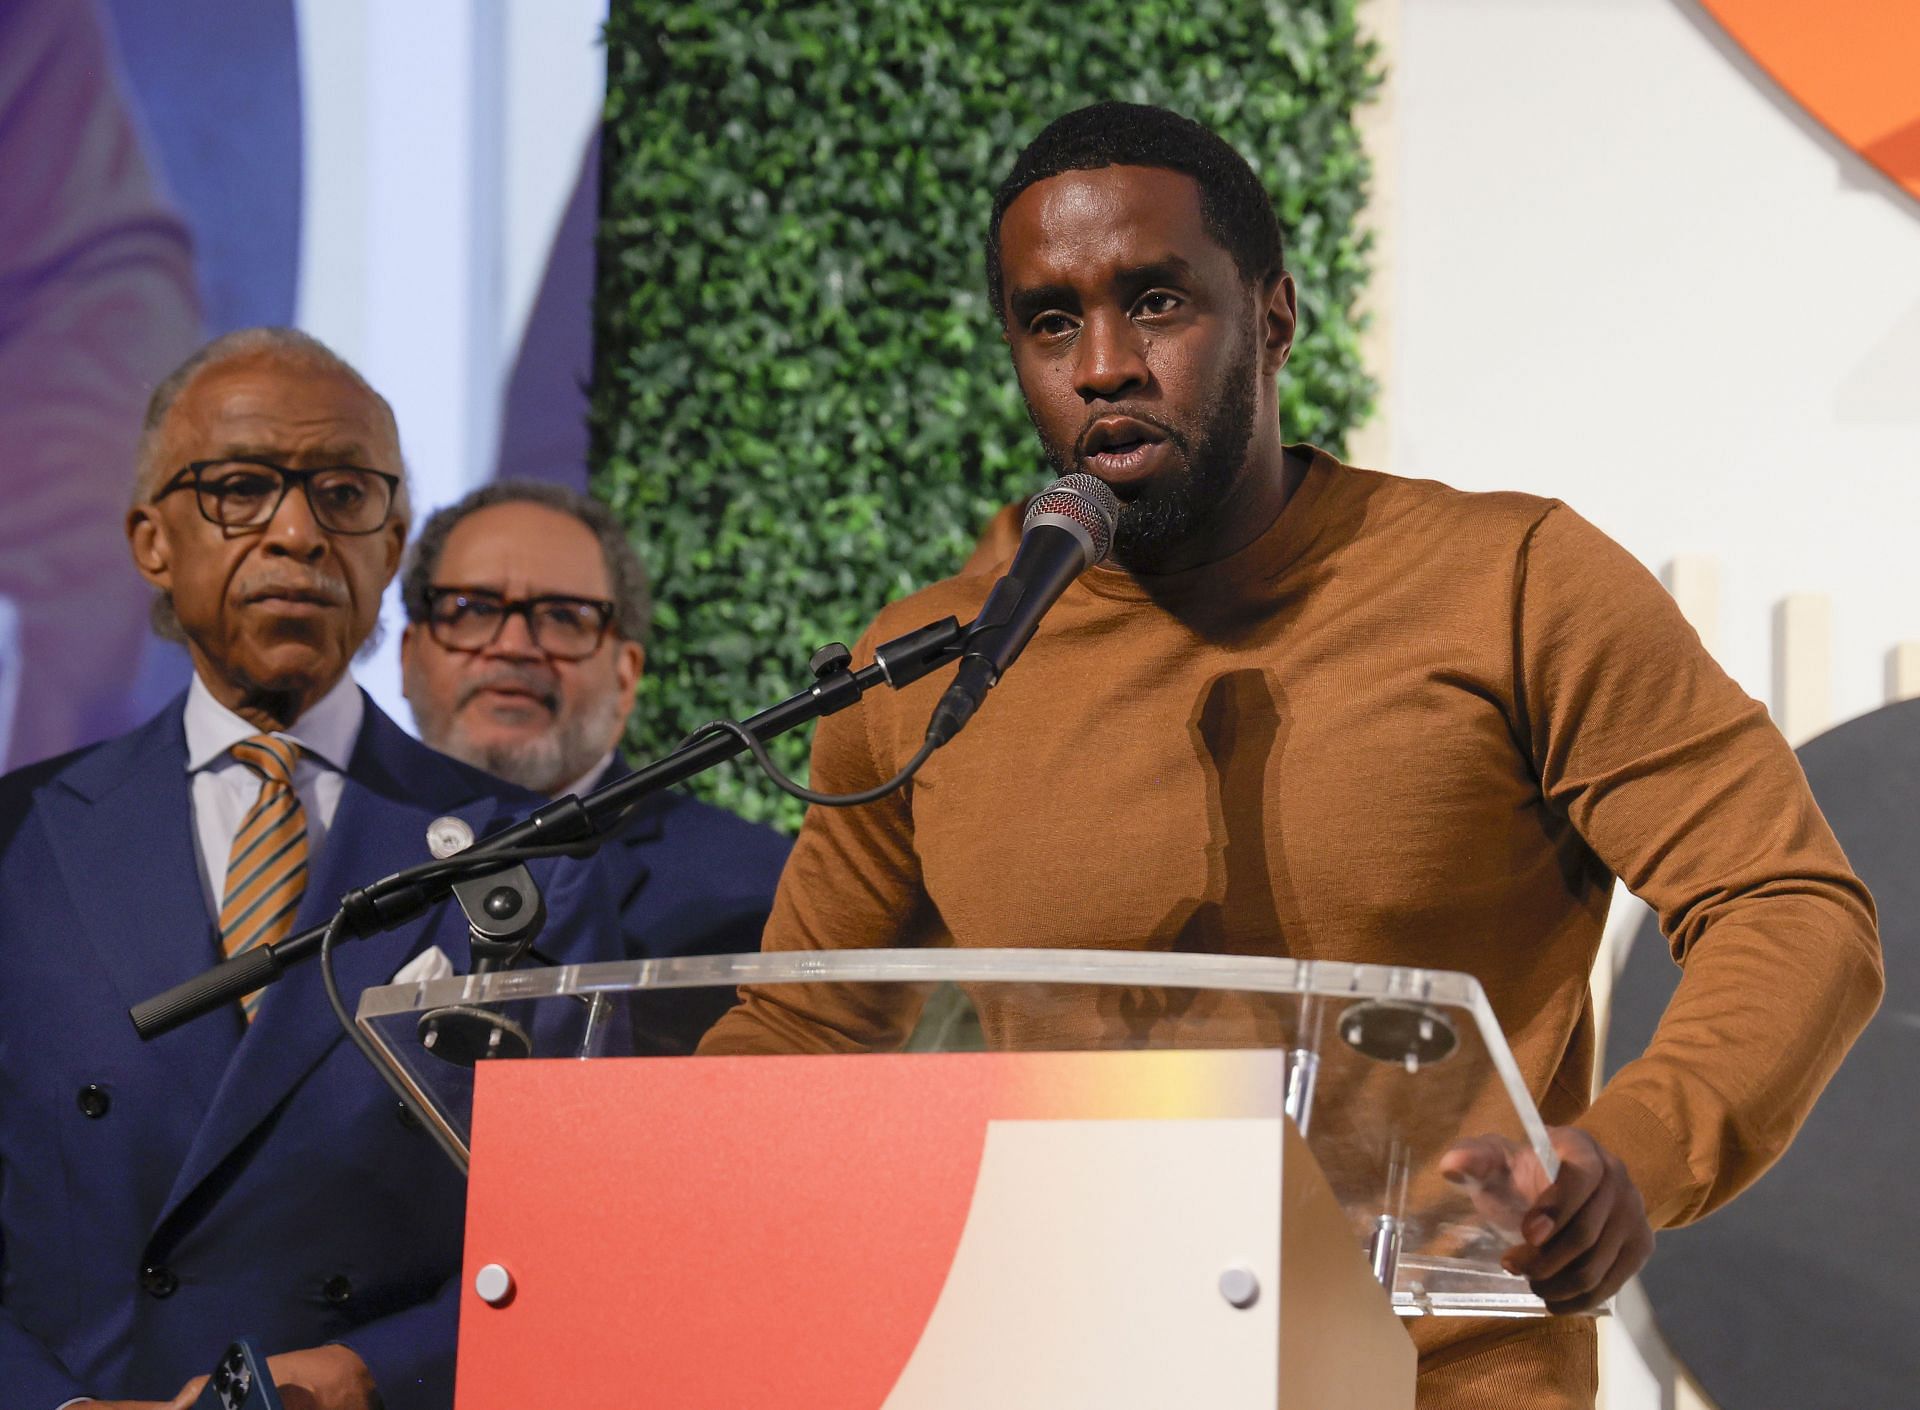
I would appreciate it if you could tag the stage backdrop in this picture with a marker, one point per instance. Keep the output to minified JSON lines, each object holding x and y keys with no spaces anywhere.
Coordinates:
{"x":801,"y":405}
{"x":410,"y":182}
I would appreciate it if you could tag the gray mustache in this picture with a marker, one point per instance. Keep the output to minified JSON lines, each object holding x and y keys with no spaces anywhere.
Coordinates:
{"x":511,"y":678}
{"x":324,"y":586}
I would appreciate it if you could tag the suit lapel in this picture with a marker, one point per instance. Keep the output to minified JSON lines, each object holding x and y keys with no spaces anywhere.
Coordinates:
{"x":379,"y":828}
{"x":122,"y":833}
{"x":642,"y":827}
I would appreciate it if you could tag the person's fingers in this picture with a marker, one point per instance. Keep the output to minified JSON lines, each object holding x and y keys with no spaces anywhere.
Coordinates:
{"x":189,"y":1393}
{"x":1499,"y":1178}
{"x":1480,"y":1160}
{"x":1606,"y":1283}
{"x":1635,"y":1249}
{"x":1576,"y":1236}
{"x":1586,"y":1271}
{"x":1582,"y":1167}
{"x":1605,"y":1276}
{"x":1495,"y":1163}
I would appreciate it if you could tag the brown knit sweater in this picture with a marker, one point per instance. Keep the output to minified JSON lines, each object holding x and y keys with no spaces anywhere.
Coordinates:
{"x":1407,"y":726}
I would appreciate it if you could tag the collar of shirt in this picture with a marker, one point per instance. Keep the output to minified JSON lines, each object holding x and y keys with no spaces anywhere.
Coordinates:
{"x":588,"y":779}
{"x":327,"y":732}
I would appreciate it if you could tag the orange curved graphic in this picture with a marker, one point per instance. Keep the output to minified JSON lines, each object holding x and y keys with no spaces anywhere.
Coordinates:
{"x":1853,"y":64}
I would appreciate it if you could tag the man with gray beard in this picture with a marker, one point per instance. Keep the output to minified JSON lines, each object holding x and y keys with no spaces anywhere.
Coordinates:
{"x":526,"y":621}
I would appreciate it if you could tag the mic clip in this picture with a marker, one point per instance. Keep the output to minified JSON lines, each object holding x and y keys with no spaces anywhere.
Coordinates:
{"x":1002,"y":602}
{"x":504,"y":911}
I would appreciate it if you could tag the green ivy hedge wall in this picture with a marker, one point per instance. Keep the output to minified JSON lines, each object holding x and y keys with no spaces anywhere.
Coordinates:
{"x":801,"y":403}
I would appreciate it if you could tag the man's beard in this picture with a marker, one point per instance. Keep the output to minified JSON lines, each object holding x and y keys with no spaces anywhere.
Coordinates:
{"x":1171,"y":509}
{"x":548,"y":762}
{"x":544,"y":763}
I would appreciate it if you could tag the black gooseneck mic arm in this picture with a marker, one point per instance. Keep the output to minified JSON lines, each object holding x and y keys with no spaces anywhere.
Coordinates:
{"x":569,"y":826}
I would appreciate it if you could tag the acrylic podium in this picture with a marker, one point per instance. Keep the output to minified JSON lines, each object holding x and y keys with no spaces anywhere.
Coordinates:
{"x":1091,"y":1178}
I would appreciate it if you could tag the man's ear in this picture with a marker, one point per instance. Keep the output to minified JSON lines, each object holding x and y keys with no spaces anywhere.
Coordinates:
{"x":629,"y":662}
{"x":152,"y":551}
{"x":396,"y":539}
{"x":1280,"y":316}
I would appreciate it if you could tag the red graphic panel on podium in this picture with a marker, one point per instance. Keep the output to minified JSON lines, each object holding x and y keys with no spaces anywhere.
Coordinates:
{"x":755,"y":1231}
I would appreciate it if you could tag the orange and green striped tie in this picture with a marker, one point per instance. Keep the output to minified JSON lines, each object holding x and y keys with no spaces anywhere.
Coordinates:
{"x":267,"y":869}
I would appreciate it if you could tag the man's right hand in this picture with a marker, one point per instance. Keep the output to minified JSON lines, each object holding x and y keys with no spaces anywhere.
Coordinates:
{"x":331,"y":1377}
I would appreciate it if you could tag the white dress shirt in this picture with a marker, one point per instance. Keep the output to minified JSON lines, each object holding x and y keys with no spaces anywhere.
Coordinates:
{"x":224,"y":788}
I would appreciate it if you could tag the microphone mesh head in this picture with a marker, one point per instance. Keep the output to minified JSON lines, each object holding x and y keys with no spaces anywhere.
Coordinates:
{"x":1085,"y":500}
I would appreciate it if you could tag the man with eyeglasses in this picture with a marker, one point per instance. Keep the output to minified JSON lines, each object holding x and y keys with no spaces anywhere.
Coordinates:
{"x":526,"y":620}
{"x":247,"y":1173}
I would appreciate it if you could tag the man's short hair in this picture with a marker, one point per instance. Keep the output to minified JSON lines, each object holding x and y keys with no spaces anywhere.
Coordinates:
{"x":1234,"y":206}
{"x":287,"y":345}
{"x":626,"y":577}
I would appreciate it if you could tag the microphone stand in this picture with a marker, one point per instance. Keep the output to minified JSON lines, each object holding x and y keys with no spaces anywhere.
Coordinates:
{"x":569,"y":826}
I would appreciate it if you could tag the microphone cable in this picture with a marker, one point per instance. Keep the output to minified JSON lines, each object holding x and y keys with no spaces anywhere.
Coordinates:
{"x":408,"y":1098}
{"x":800,"y":790}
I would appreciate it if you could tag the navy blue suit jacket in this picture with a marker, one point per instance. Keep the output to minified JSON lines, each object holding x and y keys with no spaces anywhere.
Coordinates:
{"x":692,"y":879}
{"x":158,"y":1199}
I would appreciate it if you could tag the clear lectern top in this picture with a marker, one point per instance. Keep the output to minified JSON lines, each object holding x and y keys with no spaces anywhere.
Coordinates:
{"x":1385,"y":1070}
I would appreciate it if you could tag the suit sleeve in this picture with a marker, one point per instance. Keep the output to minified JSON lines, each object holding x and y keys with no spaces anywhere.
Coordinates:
{"x":852,"y":882}
{"x":1682,"y":786}
{"x":34,"y":1377}
{"x":410,"y":1353}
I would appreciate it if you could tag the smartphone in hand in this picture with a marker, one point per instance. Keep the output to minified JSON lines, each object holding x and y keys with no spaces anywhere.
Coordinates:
{"x":240,"y":1382}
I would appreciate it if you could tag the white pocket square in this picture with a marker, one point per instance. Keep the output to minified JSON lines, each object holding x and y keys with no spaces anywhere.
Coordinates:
{"x":430,"y":963}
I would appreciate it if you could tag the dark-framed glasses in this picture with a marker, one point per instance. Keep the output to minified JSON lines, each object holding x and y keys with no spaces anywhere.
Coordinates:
{"x":471,"y":619}
{"x":245,"y":492}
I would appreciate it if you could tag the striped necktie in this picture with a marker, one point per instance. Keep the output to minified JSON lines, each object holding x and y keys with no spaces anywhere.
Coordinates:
{"x":267,"y":868}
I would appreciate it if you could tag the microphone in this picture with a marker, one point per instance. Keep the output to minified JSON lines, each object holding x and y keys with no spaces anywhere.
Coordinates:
{"x":1068,"y":528}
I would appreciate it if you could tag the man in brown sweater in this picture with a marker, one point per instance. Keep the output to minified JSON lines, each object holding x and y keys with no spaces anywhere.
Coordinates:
{"x":1317,"y":711}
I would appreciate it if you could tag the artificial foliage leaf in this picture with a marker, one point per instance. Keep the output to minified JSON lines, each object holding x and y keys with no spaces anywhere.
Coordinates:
{"x":801,"y":405}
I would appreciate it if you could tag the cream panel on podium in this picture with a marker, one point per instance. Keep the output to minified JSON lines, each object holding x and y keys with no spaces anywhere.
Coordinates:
{"x":1138,"y":1264}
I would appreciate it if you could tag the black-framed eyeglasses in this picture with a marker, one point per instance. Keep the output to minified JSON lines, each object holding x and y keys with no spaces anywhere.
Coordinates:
{"x":245,"y":492}
{"x":471,"y":619}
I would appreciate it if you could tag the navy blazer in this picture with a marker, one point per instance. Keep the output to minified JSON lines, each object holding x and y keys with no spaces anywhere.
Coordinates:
{"x":158,"y":1199}
{"x":692,"y":879}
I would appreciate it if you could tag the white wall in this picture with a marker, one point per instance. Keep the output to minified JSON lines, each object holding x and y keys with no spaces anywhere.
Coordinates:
{"x":1625,"y":271}
{"x":442,"y":138}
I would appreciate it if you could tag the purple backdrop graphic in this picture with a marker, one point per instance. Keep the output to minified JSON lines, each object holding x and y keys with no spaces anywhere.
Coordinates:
{"x":153,"y":196}
{"x":97,"y":299}
{"x":543,"y":434}
{"x":153,"y":151}
{"x":217,"y":88}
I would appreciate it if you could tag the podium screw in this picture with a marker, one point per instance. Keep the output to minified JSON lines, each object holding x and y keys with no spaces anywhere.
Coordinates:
{"x":1239,"y":1286}
{"x":494,"y":1284}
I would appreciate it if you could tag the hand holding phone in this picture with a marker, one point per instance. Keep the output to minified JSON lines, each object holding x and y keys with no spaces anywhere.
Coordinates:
{"x":240,"y":1382}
